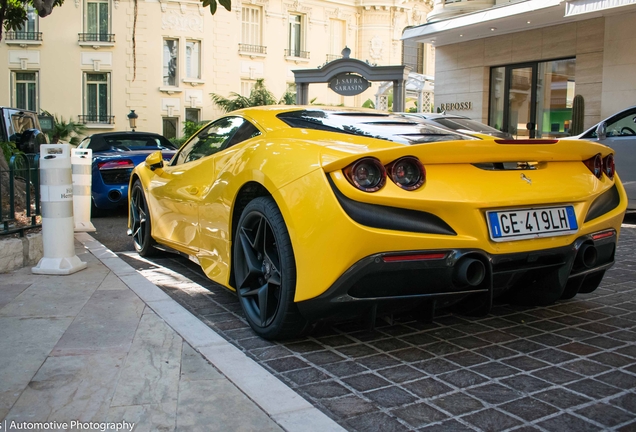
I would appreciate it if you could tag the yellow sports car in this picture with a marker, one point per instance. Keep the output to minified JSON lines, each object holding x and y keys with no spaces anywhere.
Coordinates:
{"x":309,"y":213}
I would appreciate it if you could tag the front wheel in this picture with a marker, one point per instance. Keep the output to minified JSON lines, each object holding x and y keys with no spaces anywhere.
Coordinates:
{"x":265,"y":272}
{"x":140,"y":222}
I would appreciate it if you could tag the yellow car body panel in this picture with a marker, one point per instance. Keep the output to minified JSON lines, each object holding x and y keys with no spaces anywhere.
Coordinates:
{"x":192,"y":205}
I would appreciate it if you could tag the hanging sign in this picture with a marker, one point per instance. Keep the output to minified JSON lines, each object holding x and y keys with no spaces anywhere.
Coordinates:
{"x":348,"y":84}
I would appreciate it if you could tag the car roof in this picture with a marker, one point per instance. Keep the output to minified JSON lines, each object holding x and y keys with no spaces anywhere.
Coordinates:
{"x":17,"y":109}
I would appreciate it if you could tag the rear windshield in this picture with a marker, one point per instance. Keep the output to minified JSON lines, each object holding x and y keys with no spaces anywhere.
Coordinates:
{"x":468,"y":124}
{"x":391,"y":127}
{"x":127,"y":142}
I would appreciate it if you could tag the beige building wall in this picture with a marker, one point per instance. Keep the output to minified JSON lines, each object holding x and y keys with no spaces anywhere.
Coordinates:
{"x":604,"y":48}
{"x":619,"y":64}
{"x":372,"y":31}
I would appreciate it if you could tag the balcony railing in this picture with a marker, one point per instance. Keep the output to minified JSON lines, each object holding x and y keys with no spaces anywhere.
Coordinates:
{"x":332,"y":57}
{"x":296,"y":53}
{"x":255,"y":49}
{"x":96,"y":37}
{"x":27,"y":36}
{"x":95,"y":118}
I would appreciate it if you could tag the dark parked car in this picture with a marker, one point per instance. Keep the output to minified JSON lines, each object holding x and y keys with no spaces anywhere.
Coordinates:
{"x":21,"y":127}
{"x":115,"y":154}
{"x":461,"y":124}
{"x":619,"y":132}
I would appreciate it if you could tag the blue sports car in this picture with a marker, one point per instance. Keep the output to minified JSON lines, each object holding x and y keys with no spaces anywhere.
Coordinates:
{"x":115,"y":154}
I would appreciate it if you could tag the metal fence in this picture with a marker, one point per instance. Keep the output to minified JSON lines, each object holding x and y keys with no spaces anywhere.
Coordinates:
{"x":20,"y":194}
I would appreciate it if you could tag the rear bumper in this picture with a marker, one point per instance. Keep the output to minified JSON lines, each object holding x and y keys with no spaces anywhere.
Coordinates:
{"x":402,"y":280}
{"x":111,"y":194}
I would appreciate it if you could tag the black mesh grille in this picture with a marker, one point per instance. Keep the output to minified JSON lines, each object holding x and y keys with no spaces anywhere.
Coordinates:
{"x":116,"y":176}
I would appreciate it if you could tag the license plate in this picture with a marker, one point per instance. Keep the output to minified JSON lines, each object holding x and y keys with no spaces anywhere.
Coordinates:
{"x":505,"y":225}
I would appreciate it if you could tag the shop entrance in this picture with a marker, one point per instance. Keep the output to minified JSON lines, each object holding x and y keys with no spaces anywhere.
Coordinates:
{"x":533,"y":100}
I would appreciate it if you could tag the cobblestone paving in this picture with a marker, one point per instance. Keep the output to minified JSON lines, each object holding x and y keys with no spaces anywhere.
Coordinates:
{"x":567,"y":367}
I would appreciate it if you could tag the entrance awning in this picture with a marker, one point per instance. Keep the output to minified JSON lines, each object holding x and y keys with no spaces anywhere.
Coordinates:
{"x":513,"y":18}
{"x":578,"y":7}
{"x":489,"y":22}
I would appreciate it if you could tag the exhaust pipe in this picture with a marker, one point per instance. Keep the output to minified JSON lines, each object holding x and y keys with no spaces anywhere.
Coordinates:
{"x":470,"y":271}
{"x":587,"y":256}
{"x":114,"y":195}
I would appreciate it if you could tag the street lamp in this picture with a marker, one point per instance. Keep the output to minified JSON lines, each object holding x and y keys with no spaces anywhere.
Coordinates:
{"x":132,"y":118}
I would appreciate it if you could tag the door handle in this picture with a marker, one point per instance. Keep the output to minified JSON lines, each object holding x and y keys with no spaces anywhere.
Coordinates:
{"x":193,"y":190}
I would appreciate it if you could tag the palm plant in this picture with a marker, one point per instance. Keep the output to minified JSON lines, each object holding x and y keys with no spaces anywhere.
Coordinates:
{"x":259,"y":95}
{"x":66,"y":131}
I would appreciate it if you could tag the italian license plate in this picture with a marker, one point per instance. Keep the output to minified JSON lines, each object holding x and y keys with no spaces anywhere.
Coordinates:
{"x":505,"y":225}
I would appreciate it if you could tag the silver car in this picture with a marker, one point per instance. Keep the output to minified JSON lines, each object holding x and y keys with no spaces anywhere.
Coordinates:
{"x":619,"y":133}
{"x":461,"y":124}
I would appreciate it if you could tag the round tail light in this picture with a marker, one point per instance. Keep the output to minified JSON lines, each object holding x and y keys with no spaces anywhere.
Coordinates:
{"x":595,"y":164}
{"x":608,"y":166}
{"x":408,"y":173}
{"x":367,"y":174}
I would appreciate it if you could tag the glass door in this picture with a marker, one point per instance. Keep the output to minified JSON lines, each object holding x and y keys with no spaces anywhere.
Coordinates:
{"x":533,"y":100}
{"x":521,"y":118}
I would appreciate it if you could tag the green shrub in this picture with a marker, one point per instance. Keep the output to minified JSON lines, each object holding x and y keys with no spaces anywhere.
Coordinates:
{"x":9,"y":149}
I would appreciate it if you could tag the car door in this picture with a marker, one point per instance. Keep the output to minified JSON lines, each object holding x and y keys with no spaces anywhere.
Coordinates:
{"x":178,"y":188}
{"x":621,"y":137}
{"x":216,"y":206}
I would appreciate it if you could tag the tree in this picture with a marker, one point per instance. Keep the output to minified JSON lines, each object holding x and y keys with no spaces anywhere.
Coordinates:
{"x":258,"y":96}
{"x":13,"y":13}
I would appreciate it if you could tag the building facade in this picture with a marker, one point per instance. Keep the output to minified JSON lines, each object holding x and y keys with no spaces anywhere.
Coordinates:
{"x":93,"y":61}
{"x":519,"y":65}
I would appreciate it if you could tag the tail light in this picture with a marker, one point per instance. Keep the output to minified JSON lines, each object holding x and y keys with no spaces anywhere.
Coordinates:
{"x":595,"y":164}
{"x":608,"y":166}
{"x":407,"y":172}
{"x":116,"y":164}
{"x":367,"y":174}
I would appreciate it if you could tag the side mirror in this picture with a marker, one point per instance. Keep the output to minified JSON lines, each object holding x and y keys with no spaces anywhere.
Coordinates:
{"x":154,"y":160}
{"x":601,"y":131}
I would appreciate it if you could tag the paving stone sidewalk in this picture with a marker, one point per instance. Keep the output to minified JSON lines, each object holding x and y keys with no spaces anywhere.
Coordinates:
{"x":101,"y":346}
{"x":566,"y":367}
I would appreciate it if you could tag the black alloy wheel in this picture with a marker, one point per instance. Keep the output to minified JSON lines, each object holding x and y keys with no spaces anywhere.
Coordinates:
{"x":265,"y":271}
{"x":140,"y":222}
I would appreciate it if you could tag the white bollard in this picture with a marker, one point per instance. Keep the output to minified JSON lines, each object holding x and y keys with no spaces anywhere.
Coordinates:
{"x":82,"y":163}
{"x":56,"y":196}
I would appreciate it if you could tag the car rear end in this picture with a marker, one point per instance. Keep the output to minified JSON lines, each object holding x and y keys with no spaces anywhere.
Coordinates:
{"x":111,"y":175}
{"x":430,"y":223}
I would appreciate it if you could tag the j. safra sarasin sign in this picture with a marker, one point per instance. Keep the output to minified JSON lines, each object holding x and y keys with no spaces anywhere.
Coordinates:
{"x":348,"y":84}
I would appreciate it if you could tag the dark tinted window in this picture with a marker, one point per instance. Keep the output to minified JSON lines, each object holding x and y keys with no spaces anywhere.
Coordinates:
{"x":127,"y":142}
{"x":391,"y":127}
{"x":209,"y":140}
{"x":468,"y":124}
{"x":245,"y":132}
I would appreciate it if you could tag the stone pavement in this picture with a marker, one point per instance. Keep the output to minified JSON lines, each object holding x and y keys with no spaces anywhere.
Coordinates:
{"x":570,"y":366}
{"x":105,"y":348}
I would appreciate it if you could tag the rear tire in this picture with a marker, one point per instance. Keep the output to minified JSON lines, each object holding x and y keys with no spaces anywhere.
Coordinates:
{"x":140,"y":222}
{"x":265,"y":272}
